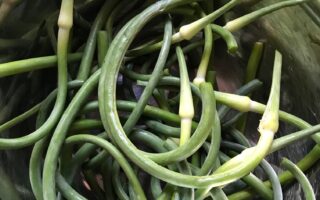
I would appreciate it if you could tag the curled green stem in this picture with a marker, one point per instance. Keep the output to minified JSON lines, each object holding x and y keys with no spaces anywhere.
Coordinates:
{"x":226,"y":36}
{"x":301,"y":177}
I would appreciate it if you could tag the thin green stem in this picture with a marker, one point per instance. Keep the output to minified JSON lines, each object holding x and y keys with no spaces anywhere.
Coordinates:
{"x":301,"y":177}
{"x":30,"y":64}
{"x":186,"y":108}
{"x":226,"y":36}
{"x":155,"y":76}
{"x":251,"y":71}
{"x":117,"y":156}
{"x":66,"y":190}
{"x":20,"y":118}
{"x":65,"y":23}
{"x":242,"y":21}
{"x":187,"y":32}
{"x":207,"y":50}
{"x":86,"y":61}
{"x":103,"y":45}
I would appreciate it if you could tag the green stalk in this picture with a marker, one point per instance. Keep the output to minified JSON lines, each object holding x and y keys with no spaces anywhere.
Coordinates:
{"x":226,"y":36}
{"x":103,"y":44}
{"x":252,"y":106}
{"x":242,"y":21}
{"x":118,"y":182}
{"x":242,"y":104}
{"x":110,"y":21}
{"x":135,"y":76}
{"x":14,"y":121}
{"x":286,"y":140}
{"x":259,"y":108}
{"x":255,"y":183}
{"x":149,"y":111}
{"x":254,"y":61}
{"x":258,"y":185}
{"x":301,"y":177}
{"x":116,"y":154}
{"x":186,"y":108}
{"x":309,"y":160}
{"x":186,"y":49}
{"x":155,"y":77}
{"x":187,"y":32}
{"x":107,"y":178}
{"x":252,"y":67}
{"x":207,"y":49}
{"x":268,"y":127}
{"x":30,"y":64}
{"x":184,"y":11}
{"x":65,"y":23}
{"x":66,"y":190}
{"x":85,"y":124}
{"x":161,"y":99}
{"x":217,"y":193}
{"x":163,"y":129}
{"x":211,"y":78}
{"x":86,"y":61}
{"x":214,"y":147}
{"x":270,"y":119}
{"x":35,"y":163}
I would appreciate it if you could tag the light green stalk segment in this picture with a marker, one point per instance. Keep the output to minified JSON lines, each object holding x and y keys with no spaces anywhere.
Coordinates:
{"x":117,"y":155}
{"x":301,"y":177}
{"x":154,"y":78}
{"x":251,"y":157}
{"x":238,"y":102}
{"x":122,"y":6}
{"x":286,"y":140}
{"x":203,"y":66}
{"x":20,"y":118}
{"x":103,"y":44}
{"x":191,"y":29}
{"x":310,"y":159}
{"x":253,"y":63}
{"x":186,"y":108}
{"x":108,"y":111}
{"x":245,"y":104}
{"x":30,"y":64}
{"x":86,"y":62}
{"x":259,"y":108}
{"x":188,"y":31}
{"x":270,"y":118}
{"x":268,"y":125}
{"x":227,"y":36}
{"x":65,"y":22}
{"x":240,"y":22}
{"x":252,"y":67}
{"x":66,"y":190}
